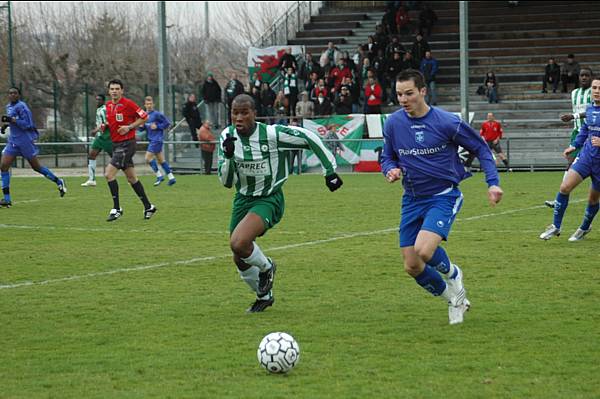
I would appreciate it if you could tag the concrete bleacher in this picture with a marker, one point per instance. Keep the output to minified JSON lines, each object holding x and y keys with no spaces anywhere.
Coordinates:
{"x":513,"y":42}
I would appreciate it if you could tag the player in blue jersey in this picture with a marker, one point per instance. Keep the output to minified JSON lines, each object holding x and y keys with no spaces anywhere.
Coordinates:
{"x":21,"y":141}
{"x":420,"y":147}
{"x":587,"y":164}
{"x":155,"y":126}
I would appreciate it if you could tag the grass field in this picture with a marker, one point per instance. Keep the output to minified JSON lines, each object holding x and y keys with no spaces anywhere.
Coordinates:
{"x":155,"y":309}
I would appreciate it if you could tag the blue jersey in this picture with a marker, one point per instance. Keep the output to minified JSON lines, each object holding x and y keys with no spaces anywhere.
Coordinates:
{"x":24,"y":128}
{"x":425,"y":149}
{"x":161,"y":121}
{"x":589,"y":128}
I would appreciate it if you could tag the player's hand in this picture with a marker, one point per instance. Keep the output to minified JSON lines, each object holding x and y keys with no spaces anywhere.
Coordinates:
{"x":229,"y":146}
{"x":596,"y":141}
{"x":123,"y":130}
{"x":494,"y":195}
{"x":393,"y":175}
{"x":568,"y":151}
{"x":333,"y":182}
{"x":566,"y":117}
{"x":6,"y":119}
{"x":153,"y":126}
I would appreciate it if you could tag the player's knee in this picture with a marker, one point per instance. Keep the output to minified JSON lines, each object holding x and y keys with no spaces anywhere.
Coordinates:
{"x":423,"y":253}
{"x":240,"y":246}
{"x":413,"y":269}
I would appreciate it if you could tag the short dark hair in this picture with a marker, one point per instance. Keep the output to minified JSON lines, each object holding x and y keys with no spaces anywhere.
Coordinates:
{"x":102,"y":96}
{"x":116,"y":82}
{"x":244,"y":98}
{"x":414,"y":75}
{"x":586,"y":68}
{"x":15,"y":88}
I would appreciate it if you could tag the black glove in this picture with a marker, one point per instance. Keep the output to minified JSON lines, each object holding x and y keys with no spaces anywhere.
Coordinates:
{"x":229,"y":146}
{"x":6,"y":119}
{"x":333,"y":182}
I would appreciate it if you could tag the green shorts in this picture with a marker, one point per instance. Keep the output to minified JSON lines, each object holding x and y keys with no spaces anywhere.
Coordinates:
{"x":103,"y":142}
{"x":269,"y":208}
{"x":574,"y":134}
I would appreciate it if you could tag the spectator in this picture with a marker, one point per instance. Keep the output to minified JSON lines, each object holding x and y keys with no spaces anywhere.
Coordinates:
{"x":321,"y":88}
{"x":380,"y":37}
{"x":373,"y":94}
{"x":207,"y":147}
{"x":337,"y":74}
{"x":570,"y":73}
{"x":305,"y":108}
{"x":427,"y":18}
{"x":308,"y":67}
{"x":354,"y":89}
{"x":380,"y":69}
{"x":388,"y":21}
{"x":419,"y":47}
{"x":362,"y":76}
{"x":192,"y":116}
{"x":255,"y":93}
{"x":402,"y":21}
{"x":551,"y":75}
{"x":323,"y":105}
{"x":232,"y":90}
{"x":394,"y":47}
{"x":311,"y":82}
{"x":211,"y":92}
{"x":409,"y":62}
{"x":267,"y":101}
{"x":282,"y":109}
{"x":255,"y":81}
{"x":329,"y":58}
{"x":429,"y":69}
{"x":394,"y":67}
{"x":358,"y":59}
{"x":290,"y":89}
{"x":343,"y":102}
{"x":371,"y":48}
{"x":287,"y":60}
{"x":491,"y":87}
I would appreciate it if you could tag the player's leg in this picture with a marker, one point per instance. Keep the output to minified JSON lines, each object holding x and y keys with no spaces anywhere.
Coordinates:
{"x":590,"y":212}
{"x":111,"y":178}
{"x":151,"y":161}
{"x":5,"y":162}
{"x":93,"y":154}
{"x":166,"y":167}
{"x":136,"y":184}
{"x":47,"y":173}
{"x":572,"y":180}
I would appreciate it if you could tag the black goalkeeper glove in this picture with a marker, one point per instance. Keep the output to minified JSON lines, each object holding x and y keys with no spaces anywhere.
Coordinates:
{"x":333,"y":182}
{"x":6,"y":119}
{"x":229,"y":146}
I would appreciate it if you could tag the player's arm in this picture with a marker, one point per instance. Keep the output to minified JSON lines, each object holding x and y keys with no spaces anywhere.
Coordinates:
{"x":142,"y":118}
{"x":389,"y":160}
{"x":22,"y":118}
{"x":164,"y":122}
{"x":226,"y":168}
{"x":570,"y":117}
{"x":297,"y":138}
{"x":579,"y":140}
{"x":468,"y":138}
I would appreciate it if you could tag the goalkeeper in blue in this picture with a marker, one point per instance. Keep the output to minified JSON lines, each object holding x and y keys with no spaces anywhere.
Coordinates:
{"x":420,"y":148}
{"x":253,"y":157}
{"x":587,"y":164}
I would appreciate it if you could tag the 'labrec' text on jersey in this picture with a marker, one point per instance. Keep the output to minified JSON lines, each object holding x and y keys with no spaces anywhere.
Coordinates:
{"x":259,"y":166}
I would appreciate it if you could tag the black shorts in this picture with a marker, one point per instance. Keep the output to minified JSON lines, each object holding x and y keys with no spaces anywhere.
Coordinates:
{"x":496,"y":147}
{"x":123,"y":152}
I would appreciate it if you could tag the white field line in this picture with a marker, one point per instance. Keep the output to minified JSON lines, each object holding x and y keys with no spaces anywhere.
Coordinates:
{"x":210,"y":258}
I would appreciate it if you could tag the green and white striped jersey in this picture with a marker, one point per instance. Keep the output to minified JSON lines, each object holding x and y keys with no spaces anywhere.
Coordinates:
{"x":101,"y":120}
{"x":580,"y":99}
{"x":259,"y":166}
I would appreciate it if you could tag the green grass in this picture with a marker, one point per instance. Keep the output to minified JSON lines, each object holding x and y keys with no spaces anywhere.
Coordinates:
{"x":365,"y":329}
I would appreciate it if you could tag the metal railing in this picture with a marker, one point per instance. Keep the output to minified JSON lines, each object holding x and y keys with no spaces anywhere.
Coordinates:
{"x":290,"y":22}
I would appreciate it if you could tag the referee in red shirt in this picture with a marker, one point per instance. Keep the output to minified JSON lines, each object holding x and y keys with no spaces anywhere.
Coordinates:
{"x":124,"y":117}
{"x":491,"y":131}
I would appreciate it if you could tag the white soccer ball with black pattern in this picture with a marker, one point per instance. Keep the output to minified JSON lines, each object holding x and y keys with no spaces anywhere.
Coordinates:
{"x":278,"y":352}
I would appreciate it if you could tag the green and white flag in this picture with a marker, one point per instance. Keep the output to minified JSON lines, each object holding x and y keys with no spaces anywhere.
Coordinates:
{"x":338,"y":134}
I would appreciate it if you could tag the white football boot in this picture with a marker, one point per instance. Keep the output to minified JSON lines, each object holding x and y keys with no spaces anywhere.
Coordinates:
{"x":550,"y":232}
{"x":458,"y":304}
{"x":579,"y":234}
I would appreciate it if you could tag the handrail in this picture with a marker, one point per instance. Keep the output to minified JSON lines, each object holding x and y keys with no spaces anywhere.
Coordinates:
{"x":292,"y":17}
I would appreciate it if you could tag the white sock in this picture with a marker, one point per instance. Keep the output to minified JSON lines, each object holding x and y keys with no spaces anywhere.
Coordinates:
{"x":170,"y":176}
{"x":446,"y":294}
{"x":250,"y":276}
{"x":451,"y":271}
{"x":158,"y":174}
{"x":258,"y":259}
{"x":91,"y":169}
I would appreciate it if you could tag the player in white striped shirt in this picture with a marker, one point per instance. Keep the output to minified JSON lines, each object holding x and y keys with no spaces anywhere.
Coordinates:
{"x":254,"y":157}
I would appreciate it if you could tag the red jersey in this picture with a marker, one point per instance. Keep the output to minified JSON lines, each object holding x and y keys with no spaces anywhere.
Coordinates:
{"x":123,"y":113}
{"x":491,"y":130}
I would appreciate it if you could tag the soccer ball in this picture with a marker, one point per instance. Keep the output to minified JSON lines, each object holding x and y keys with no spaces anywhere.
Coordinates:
{"x":278,"y":352}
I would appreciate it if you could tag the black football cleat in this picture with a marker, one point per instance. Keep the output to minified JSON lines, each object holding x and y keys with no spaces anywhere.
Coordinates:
{"x":260,"y":305}
{"x":265,"y":279}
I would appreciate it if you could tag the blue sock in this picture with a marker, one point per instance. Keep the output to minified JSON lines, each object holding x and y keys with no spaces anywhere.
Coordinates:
{"x":48,"y":174}
{"x":166,"y":167}
{"x":154,"y":165}
{"x":588,"y":217}
{"x":431,"y":280}
{"x":441,"y":262}
{"x":6,"y":185}
{"x":562,"y":201}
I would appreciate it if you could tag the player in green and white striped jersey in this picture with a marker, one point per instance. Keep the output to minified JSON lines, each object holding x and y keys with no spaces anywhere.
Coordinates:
{"x":254,"y":157}
{"x":101,"y":142}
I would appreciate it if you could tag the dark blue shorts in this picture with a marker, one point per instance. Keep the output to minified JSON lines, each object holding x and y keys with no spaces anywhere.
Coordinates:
{"x":587,"y":166}
{"x":155,"y":147}
{"x":25,"y":148}
{"x":434,"y":213}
